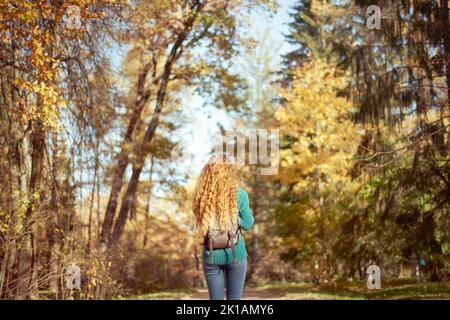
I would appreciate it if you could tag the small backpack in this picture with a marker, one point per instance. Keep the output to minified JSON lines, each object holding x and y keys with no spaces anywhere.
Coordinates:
{"x":217,"y":238}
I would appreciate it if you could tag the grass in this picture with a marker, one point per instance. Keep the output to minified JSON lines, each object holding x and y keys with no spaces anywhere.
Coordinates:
{"x":306,"y":291}
{"x":161,"y":295}
{"x":427,"y":290}
{"x":392,"y":290}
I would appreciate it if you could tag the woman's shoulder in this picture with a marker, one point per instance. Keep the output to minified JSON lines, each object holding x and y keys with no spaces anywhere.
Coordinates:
{"x":241,"y":193}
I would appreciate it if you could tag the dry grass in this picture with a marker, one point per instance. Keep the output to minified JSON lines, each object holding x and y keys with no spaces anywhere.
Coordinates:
{"x":392,"y":290}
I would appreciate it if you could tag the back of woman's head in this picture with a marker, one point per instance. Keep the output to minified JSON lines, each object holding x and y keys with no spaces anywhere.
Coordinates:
{"x":215,"y":195}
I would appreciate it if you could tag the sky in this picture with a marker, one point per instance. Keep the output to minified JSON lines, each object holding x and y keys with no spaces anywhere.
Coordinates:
{"x":197,"y":136}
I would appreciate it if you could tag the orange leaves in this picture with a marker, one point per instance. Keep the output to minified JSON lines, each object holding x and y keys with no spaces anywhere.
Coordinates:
{"x":30,"y":29}
{"x":45,"y":109}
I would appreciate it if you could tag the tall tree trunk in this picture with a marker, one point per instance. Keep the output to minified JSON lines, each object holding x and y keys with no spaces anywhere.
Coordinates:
{"x":91,"y":205}
{"x":99,"y":226}
{"x":133,"y":207}
{"x":16,"y":149}
{"x":254,"y":254}
{"x":149,"y":200}
{"x":54,"y":244}
{"x":126,"y":205}
{"x":197,"y":279}
{"x":26,"y":245}
{"x":142,"y":97}
{"x":13,"y":180}
{"x":27,"y":249}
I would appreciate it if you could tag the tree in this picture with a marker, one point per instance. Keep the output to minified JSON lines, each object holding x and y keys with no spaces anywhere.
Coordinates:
{"x":32,"y":60}
{"x":259,"y":64}
{"x":319,"y":143}
{"x":201,"y":21}
{"x":314,"y":31}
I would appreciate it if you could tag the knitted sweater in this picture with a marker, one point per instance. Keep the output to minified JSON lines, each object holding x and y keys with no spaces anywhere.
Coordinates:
{"x":245,"y":220}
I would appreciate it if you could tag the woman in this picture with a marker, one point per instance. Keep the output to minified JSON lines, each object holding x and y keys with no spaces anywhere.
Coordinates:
{"x":220,"y":203}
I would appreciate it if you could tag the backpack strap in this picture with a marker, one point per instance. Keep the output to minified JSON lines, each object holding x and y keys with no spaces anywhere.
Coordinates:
{"x":239,"y":230}
{"x":231,"y":238}
{"x":233,"y":249}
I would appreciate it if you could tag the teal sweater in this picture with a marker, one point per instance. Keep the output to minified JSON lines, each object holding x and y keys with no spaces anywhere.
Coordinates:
{"x":246,"y":220}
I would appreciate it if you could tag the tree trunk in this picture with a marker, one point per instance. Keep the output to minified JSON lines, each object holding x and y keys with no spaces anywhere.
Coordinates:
{"x":149,"y":200}
{"x":126,"y":205}
{"x":91,"y":205}
{"x":27,"y":253}
{"x":54,"y":243}
{"x":142,"y":97}
{"x":254,"y":254}
{"x":16,"y":150}
{"x":13,"y":179}
{"x":197,"y":283}
{"x":133,"y":208}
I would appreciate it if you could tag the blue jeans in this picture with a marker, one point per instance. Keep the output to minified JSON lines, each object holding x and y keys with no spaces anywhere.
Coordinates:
{"x":235,"y":276}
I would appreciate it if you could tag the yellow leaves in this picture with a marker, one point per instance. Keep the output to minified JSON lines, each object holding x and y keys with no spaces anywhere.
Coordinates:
{"x":41,"y":95}
{"x":318,"y":121}
{"x":45,"y":107}
{"x":324,"y":8}
{"x":40,"y":88}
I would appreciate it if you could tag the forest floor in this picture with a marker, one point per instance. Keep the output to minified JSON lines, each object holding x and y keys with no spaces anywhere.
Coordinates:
{"x":398,"y":289}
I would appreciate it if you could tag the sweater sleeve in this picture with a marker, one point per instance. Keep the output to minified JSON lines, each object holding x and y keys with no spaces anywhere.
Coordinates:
{"x":246,"y":219}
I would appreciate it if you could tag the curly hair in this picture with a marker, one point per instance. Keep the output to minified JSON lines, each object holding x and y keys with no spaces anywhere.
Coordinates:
{"x":215,"y":196}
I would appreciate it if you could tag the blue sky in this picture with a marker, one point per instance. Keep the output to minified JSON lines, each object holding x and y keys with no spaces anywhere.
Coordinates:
{"x":197,"y":135}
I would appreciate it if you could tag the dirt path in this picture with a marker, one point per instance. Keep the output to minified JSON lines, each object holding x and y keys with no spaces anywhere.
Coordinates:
{"x":305,"y":291}
{"x":249,"y":294}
